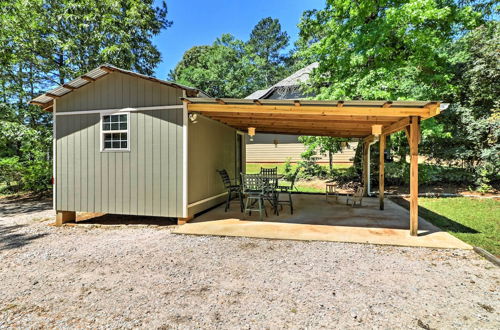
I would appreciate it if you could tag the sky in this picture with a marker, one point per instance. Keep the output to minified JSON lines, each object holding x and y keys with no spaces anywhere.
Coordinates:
{"x":200,"y":22}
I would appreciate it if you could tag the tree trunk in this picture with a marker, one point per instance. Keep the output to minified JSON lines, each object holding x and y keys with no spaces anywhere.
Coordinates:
{"x":330,"y":159}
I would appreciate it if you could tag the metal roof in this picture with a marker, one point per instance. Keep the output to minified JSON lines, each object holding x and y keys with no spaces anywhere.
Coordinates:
{"x":319,"y":103}
{"x":296,"y":79}
{"x":45,"y":100}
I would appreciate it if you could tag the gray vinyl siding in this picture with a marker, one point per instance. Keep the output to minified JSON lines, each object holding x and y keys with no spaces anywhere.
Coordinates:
{"x":147,"y":180}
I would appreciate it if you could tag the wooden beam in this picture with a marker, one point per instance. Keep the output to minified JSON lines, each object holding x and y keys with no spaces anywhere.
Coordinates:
{"x":257,"y":102}
{"x":220,"y":101}
{"x":38,"y":103}
{"x":386,"y":121}
{"x":87,"y":78}
{"x":69,"y":87}
{"x":414,"y":136}
{"x":381,"y":170}
{"x":397,"y":126}
{"x":340,"y":104}
{"x":53,"y":95}
{"x":108,"y":70}
{"x":309,"y":110}
{"x":297,"y":103}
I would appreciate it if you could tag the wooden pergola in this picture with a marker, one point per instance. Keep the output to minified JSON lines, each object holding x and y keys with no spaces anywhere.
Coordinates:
{"x":370,"y":121}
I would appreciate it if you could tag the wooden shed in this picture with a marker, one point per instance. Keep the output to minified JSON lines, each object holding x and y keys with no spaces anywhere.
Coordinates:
{"x":124,"y":144}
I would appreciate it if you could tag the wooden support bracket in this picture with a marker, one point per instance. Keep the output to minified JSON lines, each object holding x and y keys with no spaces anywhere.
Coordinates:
{"x":64,"y":217}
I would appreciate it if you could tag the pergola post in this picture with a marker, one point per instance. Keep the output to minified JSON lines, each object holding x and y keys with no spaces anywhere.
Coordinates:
{"x":414,"y":139}
{"x":381,"y":169}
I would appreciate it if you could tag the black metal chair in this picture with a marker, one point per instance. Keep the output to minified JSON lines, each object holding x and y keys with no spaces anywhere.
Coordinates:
{"x":231,"y":188}
{"x":255,"y":190}
{"x":269,"y":171}
{"x":285,"y":189}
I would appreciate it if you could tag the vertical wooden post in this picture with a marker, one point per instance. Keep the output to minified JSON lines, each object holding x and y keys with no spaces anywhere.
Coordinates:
{"x":366,"y":145}
{"x":381,"y":169}
{"x":414,"y":140}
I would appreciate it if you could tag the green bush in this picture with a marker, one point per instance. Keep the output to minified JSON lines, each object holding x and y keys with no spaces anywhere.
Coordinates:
{"x":345,"y":175}
{"x":10,"y":174}
{"x":37,"y":175}
{"x":399,"y":174}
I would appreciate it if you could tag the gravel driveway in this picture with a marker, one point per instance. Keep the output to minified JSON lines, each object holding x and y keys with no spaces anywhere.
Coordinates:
{"x":150,"y":278}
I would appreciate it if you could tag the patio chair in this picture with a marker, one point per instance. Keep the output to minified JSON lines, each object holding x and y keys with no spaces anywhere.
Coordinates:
{"x":254,"y":189}
{"x":357,"y":196}
{"x":269,"y":171}
{"x":231,"y":188}
{"x":287,"y":189}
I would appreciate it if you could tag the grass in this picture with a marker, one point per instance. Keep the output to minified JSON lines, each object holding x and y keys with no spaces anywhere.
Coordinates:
{"x":253,"y":168}
{"x":473,"y":220}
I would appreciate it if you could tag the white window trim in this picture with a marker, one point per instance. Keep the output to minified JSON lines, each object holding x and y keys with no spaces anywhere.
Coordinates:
{"x":102,"y":132}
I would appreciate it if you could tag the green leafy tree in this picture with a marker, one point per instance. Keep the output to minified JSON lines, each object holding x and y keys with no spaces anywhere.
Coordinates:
{"x":266,"y":46}
{"x":384,"y":49}
{"x":221,"y":69}
{"x":233,"y":68}
{"x":48,"y":42}
{"x":325,"y":144}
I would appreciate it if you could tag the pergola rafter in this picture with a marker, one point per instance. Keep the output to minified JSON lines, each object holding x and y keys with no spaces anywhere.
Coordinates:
{"x":370,"y":121}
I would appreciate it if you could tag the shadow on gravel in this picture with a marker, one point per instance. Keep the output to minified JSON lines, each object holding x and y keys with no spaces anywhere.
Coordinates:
{"x":10,"y":238}
{"x":11,"y":206}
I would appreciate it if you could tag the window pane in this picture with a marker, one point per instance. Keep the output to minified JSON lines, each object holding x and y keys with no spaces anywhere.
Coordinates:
{"x":123,"y":136}
{"x":124,"y":144}
{"x":123,"y":118}
{"x":114,"y":126}
{"x":116,"y":145}
{"x":107,"y":137}
{"x":106,"y":127}
{"x":123,"y":125}
{"x":107,"y":145}
{"x":116,"y":136}
{"x":106,"y":119}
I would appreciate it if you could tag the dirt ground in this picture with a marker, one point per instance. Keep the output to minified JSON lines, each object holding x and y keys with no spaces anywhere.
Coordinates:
{"x":144,"y":276}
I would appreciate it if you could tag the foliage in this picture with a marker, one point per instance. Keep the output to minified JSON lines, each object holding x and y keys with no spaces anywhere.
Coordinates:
{"x":473,"y":122}
{"x":416,"y":50}
{"x":10,"y":173}
{"x":222,"y":69}
{"x":310,"y":166}
{"x":398,"y":173}
{"x":325,"y":145}
{"x":233,"y":68}
{"x":384,"y":49}
{"x":48,"y":42}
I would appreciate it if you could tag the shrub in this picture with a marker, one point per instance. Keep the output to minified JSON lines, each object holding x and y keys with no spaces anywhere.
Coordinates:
{"x":10,"y":173}
{"x":37,"y":175}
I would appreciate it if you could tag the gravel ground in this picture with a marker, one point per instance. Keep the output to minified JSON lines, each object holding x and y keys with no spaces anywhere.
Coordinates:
{"x":147,"y":277}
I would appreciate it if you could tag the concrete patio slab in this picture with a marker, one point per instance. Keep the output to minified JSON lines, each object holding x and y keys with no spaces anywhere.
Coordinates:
{"x":316,"y":219}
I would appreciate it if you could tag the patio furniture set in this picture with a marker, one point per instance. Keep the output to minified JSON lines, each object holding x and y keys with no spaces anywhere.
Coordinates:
{"x":265,"y":187}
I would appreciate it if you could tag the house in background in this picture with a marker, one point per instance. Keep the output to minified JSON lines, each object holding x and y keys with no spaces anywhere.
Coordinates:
{"x":277,"y":148}
{"x":122,"y":142}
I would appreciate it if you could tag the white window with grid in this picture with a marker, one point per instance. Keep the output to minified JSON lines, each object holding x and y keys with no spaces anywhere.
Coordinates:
{"x":115,"y":135}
